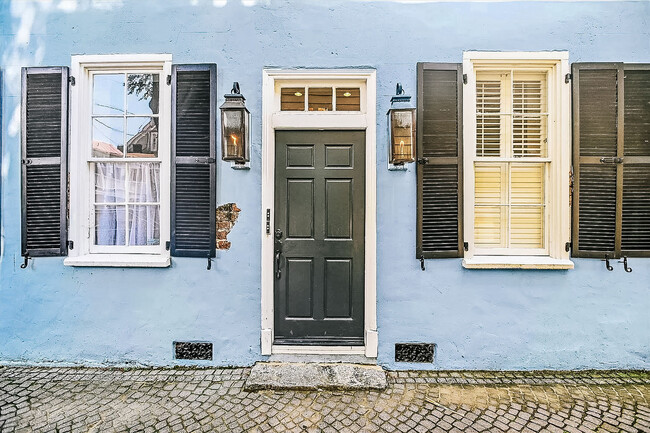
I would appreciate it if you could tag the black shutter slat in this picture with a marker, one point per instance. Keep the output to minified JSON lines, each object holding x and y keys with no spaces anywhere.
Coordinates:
{"x":44,"y":142}
{"x":637,"y":112}
{"x":439,"y":225}
{"x":636,"y":209}
{"x":193,"y":160}
{"x":597,"y":203}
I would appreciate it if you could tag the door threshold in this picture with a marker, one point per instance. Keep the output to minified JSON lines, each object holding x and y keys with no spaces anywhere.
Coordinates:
{"x":317,"y":350}
{"x":320,"y":359}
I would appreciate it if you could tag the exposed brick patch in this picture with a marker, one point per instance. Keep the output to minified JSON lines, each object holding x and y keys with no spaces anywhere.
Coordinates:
{"x":227,"y":214}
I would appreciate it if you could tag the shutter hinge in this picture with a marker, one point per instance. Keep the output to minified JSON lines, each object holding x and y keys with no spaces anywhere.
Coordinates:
{"x":567,"y":78}
{"x":26,"y":161}
{"x":423,"y":161}
{"x":212,"y":160}
{"x":71,"y":80}
{"x":466,"y":246}
{"x":567,"y":247}
{"x":71,"y":245}
{"x":464,"y":78}
{"x":168,"y":245}
{"x":169,"y":80}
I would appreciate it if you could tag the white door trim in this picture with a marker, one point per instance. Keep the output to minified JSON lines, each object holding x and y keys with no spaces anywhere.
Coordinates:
{"x":273,"y":119}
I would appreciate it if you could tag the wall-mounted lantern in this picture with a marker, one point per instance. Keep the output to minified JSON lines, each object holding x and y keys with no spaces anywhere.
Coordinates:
{"x":235,"y":128}
{"x":401,"y":129}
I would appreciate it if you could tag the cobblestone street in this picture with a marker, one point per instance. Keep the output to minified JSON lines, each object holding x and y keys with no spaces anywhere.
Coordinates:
{"x":179,"y":400}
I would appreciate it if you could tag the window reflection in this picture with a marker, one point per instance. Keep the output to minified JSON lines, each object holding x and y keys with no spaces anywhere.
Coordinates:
{"x":320,"y":99}
{"x":292,"y":99}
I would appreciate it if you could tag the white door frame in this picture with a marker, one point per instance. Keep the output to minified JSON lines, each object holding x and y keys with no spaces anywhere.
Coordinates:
{"x":272,"y":119}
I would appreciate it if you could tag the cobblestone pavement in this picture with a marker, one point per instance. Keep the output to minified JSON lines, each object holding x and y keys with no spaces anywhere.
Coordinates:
{"x":180,"y":400}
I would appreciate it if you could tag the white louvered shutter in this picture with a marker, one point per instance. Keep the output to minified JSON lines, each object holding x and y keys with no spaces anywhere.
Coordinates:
{"x":511,"y":163}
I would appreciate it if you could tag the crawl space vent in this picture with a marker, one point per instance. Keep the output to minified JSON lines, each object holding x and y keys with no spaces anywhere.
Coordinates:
{"x":193,"y":350}
{"x":414,"y":352}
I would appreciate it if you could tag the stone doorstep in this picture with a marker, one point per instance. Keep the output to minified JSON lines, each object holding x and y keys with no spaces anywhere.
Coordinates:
{"x":315,"y":376}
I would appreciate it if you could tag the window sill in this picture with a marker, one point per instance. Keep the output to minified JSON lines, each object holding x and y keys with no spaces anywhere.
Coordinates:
{"x":120,"y":260}
{"x":516,"y":262}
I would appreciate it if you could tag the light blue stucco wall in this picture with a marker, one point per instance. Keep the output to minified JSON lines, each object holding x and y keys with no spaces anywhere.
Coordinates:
{"x":583,"y":318}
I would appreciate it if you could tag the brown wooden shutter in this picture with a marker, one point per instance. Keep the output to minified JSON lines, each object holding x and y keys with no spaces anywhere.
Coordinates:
{"x":635,"y":226}
{"x":440,"y":160}
{"x":44,"y":144}
{"x":611,"y":160}
{"x":194,"y":105}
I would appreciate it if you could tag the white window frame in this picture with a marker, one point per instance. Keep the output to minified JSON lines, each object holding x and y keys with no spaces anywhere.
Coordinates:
{"x":558,"y":215}
{"x":84,"y":253}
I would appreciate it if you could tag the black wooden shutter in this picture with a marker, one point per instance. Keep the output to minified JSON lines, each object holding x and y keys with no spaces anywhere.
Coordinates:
{"x":611,"y":160}
{"x":44,"y":144}
{"x":194,"y":99}
{"x":440,"y":160}
{"x":635,"y":225}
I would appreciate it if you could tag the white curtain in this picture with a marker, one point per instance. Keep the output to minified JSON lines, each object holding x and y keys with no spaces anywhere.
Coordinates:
{"x":143,"y":219}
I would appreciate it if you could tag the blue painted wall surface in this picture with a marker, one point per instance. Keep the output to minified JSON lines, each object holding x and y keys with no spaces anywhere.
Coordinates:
{"x":583,"y":318}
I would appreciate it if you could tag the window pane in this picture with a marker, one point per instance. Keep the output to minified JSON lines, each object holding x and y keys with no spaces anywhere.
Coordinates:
{"x":527,"y":184}
{"x":348,"y":99}
{"x":490,"y":210}
{"x":142,"y":137}
{"x":144,"y":182}
{"x":489,"y":226}
{"x":108,"y":94}
{"x":529,"y":122}
{"x":527,"y":226}
{"x":144,"y":225}
{"x":292,"y":99}
{"x":108,"y":137}
{"x":142,"y":94}
{"x":320,"y":99}
{"x":529,"y":136}
{"x":489,"y":122}
{"x":109,"y":182}
{"x":110,"y":226}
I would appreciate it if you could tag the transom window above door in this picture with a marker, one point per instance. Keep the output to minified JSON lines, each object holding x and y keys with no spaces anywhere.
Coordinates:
{"x":318,"y":97}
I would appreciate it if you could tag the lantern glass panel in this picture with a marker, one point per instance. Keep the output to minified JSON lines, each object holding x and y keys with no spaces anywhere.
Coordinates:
{"x":402,"y":136}
{"x":234,"y":128}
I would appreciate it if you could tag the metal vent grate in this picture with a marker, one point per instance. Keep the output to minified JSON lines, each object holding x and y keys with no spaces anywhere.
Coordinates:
{"x":193,"y":350}
{"x":414,"y":352}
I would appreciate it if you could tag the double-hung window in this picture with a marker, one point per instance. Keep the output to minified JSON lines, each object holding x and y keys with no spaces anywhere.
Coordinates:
{"x":134,"y":181}
{"x":494,"y":151}
{"x":120,"y":155}
{"x":516,"y":159}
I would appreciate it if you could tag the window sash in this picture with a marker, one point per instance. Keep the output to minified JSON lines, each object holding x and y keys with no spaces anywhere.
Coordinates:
{"x":555,"y":66}
{"x":82,"y":183}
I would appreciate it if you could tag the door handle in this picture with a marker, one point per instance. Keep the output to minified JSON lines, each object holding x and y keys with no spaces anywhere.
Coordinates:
{"x":278,"y":271}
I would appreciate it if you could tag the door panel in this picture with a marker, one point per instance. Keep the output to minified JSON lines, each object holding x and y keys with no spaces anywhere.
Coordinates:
{"x":320,"y":231}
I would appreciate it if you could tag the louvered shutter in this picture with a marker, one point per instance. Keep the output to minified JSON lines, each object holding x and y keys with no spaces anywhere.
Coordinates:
{"x":635,"y":224}
{"x":44,"y":143}
{"x":611,"y":160}
{"x":439,"y":168}
{"x":194,"y":99}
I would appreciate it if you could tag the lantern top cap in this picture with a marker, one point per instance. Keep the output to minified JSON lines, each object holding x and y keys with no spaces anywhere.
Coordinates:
{"x":400,"y":95}
{"x":235,"y":93}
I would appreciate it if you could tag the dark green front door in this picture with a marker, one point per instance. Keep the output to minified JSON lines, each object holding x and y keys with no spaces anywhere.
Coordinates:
{"x":319,"y":237}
